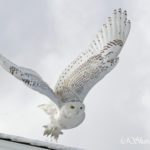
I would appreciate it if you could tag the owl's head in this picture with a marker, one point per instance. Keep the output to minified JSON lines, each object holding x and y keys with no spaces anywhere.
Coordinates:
{"x":72,"y":109}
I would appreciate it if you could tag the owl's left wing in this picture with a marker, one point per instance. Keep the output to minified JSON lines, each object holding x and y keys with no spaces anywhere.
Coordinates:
{"x":30,"y":78}
{"x":100,"y":58}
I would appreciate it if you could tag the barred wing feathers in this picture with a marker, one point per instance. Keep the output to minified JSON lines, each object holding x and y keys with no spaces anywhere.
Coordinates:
{"x":99,"y":59}
{"x":30,"y":78}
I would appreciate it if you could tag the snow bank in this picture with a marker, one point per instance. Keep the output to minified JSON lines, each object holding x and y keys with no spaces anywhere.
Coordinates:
{"x":32,"y":143}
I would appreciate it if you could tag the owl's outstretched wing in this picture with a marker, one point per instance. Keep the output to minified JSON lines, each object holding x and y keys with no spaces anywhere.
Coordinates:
{"x":30,"y":78}
{"x":93,"y":64}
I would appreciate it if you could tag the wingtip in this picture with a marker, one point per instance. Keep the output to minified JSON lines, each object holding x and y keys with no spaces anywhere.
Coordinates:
{"x":115,"y":11}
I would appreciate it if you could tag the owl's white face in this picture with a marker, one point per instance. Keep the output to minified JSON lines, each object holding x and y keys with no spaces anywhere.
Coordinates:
{"x":73,"y":109}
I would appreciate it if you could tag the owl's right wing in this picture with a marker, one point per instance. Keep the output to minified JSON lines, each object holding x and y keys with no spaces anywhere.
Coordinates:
{"x":93,"y":64}
{"x":30,"y":78}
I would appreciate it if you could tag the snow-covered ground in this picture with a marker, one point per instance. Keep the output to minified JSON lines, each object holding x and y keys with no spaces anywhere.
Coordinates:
{"x":11,"y":142}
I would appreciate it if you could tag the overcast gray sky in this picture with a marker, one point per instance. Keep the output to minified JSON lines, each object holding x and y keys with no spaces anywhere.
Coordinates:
{"x":46,"y":35}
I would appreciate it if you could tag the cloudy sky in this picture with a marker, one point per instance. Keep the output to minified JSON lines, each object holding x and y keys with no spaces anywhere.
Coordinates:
{"x":46,"y":35}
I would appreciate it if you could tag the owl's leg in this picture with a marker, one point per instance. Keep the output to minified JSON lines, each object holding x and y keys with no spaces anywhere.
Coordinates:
{"x":53,"y":131}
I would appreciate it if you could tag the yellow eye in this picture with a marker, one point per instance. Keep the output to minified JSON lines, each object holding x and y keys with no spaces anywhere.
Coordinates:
{"x":72,"y":107}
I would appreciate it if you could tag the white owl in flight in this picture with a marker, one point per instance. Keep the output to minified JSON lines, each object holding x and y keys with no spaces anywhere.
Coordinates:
{"x":79,"y":77}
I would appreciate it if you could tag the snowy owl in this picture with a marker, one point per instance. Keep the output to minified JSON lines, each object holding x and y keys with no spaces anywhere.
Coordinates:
{"x":67,"y":110}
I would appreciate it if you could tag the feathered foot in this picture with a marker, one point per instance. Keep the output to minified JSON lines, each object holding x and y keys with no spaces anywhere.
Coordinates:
{"x":54,"y":131}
